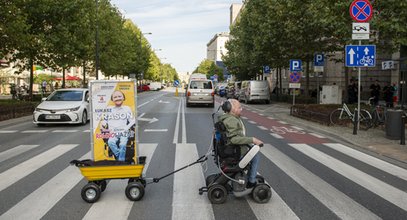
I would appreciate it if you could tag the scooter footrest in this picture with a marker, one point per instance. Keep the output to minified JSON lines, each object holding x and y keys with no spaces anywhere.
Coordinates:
{"x":202,"y":190}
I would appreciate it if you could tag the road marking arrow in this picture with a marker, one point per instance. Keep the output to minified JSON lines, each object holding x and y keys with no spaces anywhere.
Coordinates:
{"x":351,"y":53}
{"x":150,"y":120}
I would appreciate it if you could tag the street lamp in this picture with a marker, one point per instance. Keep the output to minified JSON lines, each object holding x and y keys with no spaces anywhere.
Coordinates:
{"x":141,"y":47}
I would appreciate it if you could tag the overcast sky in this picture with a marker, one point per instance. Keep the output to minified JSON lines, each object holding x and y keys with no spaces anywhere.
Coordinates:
{"x":181,"y":28}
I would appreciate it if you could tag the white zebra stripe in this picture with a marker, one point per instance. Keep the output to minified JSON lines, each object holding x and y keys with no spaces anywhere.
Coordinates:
{"x":386,"y":191}
{"x":343,"y":206}
{"x":39,"y":202}
{"x":276,"y":208}
{"x":187,"y":203}
{"x":380,"y":164}
{"x":18,"y":172}
{"x":15,"y":151}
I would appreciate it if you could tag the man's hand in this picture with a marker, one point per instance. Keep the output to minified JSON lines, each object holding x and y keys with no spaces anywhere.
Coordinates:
{"x":257,"y":142}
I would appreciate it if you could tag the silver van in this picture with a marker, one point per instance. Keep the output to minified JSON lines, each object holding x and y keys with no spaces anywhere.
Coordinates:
{"x":255,"y":90}
{"x":200,"y":91}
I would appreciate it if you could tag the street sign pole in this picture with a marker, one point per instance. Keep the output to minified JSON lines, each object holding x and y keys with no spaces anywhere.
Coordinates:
{"x":359,"y":81}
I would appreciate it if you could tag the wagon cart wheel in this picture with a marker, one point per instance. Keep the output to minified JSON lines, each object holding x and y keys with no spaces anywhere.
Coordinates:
{"x":261,"y":193}
{"x":217,"y":194}
{"x":91,"y":192}
{"x":102,"y":184}
{"x":135,"y":191}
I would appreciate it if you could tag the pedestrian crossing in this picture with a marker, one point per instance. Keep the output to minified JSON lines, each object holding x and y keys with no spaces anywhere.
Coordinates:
{"x":328,"y":177}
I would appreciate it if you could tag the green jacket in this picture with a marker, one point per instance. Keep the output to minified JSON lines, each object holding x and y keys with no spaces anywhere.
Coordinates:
{"x":235,"y":130}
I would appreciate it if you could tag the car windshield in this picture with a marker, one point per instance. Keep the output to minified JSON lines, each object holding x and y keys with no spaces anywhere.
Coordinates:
{"x":201,"y":85}
{"x":66,"y":96}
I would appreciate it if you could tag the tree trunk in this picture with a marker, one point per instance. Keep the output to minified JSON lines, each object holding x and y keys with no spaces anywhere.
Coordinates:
{"x":84,"y":74}
{"x":63,"y":77}
{"x":30,"y":94}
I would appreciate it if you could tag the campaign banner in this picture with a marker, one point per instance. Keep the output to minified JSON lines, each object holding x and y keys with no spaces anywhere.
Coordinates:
{"x":113,"y":122}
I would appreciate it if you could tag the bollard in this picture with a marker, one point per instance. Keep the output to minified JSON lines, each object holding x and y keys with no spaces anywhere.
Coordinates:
{"x":403,"y":126}
{"x":355,"y":122}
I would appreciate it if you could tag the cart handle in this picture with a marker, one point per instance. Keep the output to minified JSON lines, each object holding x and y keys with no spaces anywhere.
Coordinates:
{"x":200,"y":160}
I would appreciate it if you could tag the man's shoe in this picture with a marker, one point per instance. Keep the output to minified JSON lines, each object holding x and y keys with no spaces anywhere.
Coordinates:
{"x":250,"y":185}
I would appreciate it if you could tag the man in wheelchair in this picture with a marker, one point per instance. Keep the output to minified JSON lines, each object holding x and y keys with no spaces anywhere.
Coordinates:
{"x":236,"y":143}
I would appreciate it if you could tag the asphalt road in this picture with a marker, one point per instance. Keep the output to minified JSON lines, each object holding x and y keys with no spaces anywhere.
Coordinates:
{"x":311,"y":175}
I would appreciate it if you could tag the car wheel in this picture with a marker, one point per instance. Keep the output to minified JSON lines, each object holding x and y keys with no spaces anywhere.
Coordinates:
{"x":84,"y":117}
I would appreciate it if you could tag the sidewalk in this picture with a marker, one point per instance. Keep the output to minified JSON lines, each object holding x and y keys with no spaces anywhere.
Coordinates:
{"x":372,"y":141}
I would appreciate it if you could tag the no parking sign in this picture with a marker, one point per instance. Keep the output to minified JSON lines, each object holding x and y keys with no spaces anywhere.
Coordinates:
{"x":361,"y":10}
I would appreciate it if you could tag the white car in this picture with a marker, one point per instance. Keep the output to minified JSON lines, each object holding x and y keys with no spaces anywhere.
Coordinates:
{"x":63,"y":106}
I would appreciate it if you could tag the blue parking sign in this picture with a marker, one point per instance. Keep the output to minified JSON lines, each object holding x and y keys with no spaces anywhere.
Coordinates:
{"x":266,"y":70}
{"x":319,"y":60}
{"x":295,"y":65}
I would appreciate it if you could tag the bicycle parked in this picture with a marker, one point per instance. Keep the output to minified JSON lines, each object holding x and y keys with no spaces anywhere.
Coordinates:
{"x":379,"y":113}
{"x":343,"y":116}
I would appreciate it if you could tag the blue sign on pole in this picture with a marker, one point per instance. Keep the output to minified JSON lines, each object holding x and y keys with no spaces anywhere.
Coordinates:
{"x":295,"y":65}
{"x":360,"y":55}
{"x":266,"y":70}
{"x":319,"y":60}
{"x":176,"y":83}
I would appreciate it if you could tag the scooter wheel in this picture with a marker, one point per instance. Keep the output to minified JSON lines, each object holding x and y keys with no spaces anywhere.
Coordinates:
{"x":91,"y":193}
{"x":217,"y":194}
{"x":135,"y":191}
{"x":261,"y":193}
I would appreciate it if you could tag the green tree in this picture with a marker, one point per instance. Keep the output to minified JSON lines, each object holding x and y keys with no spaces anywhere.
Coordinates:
{"x":209,"y":68}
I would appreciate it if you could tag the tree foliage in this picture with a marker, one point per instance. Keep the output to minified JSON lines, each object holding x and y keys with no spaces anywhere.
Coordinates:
{"x":271,"y":32}
{"x":61,"y":34}
{"x":209,"y":68}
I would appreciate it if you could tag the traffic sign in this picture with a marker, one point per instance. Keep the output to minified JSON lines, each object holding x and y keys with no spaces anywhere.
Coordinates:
{"x":266,"y":70}
{"x":176,"y":83}
{"x":319,"y":60}
{"x":295,"y":77}
{"x":361,"y":10}
{"x":294,"y":85}
{"x":360,"y":55}
{"x":360,"y":31}
{"x":295,"y":65}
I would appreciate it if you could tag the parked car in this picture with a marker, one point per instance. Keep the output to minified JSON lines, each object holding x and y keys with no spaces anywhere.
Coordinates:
{"x":63,"y":106}
{"x":255,"y":90}
{"x":155,"y":86}
{"x":143,"y":87}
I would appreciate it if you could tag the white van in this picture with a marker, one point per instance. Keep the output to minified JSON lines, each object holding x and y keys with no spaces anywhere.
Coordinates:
{"x":154,"y":86}
{"x":200,"y":91}
{"x":255,"y":90}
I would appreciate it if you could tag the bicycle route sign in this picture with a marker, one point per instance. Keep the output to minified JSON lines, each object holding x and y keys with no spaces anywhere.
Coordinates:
{"x":361,"y":10}
{"x":360,"y":55}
